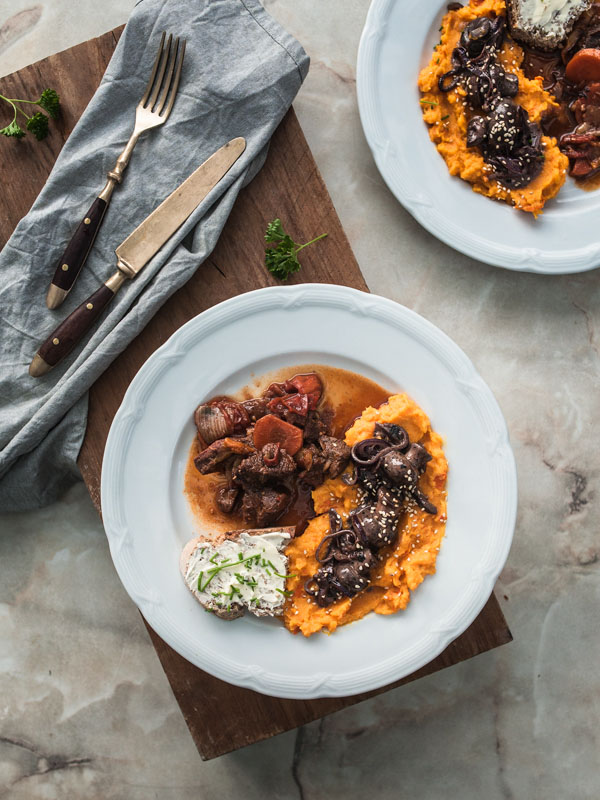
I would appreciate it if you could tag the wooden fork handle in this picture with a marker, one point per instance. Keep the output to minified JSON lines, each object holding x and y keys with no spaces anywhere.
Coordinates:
{"x":76,"y":253}
{"x":74,"y":257}
{"x":70,"y":332}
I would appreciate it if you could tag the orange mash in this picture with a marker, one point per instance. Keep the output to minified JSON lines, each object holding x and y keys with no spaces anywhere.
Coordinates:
{"x":448,"y":114}
{"x":405,"y":564}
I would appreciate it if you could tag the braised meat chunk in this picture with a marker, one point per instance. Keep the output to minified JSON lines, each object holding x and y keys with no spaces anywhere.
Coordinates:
{"x":226,"y":498}
{"x":311,"y":461}
{"x":270,"y":449}
{"x":263,"y":507}
{"x":213,"y":456}
{"x":316,"y":425}
{"x":269,"y":466}
{"x":337,"y":455}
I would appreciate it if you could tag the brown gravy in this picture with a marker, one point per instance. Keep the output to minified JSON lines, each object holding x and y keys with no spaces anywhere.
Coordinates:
{"x":346,"y":393}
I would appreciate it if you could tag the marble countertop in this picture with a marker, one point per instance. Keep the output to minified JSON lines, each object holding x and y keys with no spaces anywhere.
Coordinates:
{"x":86,"y":710}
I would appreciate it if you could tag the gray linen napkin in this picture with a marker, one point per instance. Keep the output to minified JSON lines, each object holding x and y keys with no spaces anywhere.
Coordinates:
{"x":240,"y":75}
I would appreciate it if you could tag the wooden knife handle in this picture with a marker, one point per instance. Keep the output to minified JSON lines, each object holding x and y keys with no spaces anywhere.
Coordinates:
{"x":74,"y":257}
{"x":64,"y":338}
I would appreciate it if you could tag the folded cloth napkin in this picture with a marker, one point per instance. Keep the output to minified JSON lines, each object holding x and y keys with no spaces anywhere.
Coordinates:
{"x":240,"y":75}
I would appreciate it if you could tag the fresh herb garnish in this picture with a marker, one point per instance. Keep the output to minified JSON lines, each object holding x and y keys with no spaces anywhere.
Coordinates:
{"x":38,"y":122}
{"x":282,"y":260}
{"x":446,"y":116}
{"x":428,"y":102}
{"x":223,"y":565}
{"x":50,"y":102}
{"x":284,"y":592}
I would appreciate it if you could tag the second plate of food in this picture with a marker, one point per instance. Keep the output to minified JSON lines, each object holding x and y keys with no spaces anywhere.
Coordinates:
{"x":406,"y":48}
{"x":340,"y":416}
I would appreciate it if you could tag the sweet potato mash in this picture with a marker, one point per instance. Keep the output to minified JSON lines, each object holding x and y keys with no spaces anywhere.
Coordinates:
{"x":447,"y":115}
{"x":405,"y":564}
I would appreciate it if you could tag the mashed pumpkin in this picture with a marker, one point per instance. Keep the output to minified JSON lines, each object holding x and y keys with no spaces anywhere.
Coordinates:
{"x":448,"y":115}
{"x":405,"y":564}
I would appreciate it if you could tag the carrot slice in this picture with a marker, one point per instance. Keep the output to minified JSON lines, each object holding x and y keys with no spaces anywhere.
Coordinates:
{"x":584,"y":66}
{"x":271,"y":429}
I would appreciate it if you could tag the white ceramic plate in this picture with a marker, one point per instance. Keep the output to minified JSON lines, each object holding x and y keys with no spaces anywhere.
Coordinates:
{"x":396,"y":43}
{"x":147,"y":519}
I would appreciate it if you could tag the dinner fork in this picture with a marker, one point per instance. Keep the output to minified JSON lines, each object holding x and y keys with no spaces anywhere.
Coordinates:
{"x":153,"y":110}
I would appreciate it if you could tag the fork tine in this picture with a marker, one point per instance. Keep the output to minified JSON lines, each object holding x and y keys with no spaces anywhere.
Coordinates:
{"x":154,"y":68}
{"x":167,"y":82}
{"x":161,"y":72}
{"x":175,"y":84}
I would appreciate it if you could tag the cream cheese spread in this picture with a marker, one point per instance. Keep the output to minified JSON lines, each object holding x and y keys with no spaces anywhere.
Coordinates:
{"x":543,"y":13}
{"x":249,"y":570}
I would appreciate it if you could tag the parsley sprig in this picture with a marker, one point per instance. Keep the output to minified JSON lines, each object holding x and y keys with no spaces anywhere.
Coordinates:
{"x":282,"y":260}
{"x":37,"y":123}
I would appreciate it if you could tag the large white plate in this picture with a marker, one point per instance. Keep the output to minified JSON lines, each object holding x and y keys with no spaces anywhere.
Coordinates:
{"x":147,"y":520}
{"x":396,"y":43}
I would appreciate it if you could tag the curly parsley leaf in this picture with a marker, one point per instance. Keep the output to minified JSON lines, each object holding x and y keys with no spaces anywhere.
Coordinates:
{"x":38,"y":125}
{"x":282,"y":259}
{"x":50,"y":102}
{"x":13,"y":130}
{"x":38,"y":122}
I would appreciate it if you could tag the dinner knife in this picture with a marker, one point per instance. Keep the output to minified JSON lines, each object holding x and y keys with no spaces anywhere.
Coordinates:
{"x":136,"y":251}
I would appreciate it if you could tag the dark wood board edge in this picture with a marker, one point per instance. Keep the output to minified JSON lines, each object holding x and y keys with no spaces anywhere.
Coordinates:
{"x":275,"y":715}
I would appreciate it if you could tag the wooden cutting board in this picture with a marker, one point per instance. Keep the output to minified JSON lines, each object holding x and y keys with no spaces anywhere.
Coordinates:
{"x":220,"y":717}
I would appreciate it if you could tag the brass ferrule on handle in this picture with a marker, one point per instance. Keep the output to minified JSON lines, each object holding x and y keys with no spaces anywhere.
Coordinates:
{"x":116,"y":174}
{"x":117,"y":279}
{"x":123,"y":160}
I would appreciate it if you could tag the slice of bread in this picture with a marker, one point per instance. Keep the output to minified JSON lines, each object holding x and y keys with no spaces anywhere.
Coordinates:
{"x":253,"y":578}
{"x":544,"y":24}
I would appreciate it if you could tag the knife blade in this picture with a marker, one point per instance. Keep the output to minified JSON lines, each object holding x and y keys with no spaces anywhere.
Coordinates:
{"x":136,"y":251}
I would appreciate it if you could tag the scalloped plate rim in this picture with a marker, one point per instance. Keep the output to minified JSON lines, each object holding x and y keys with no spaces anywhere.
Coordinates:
{"x":460,"y":238}
{"x":252,"y":676}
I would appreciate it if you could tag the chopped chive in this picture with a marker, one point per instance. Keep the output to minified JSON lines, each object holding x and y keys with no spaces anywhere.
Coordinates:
{"x":284,"y":592}
{"x":428,"y":102}
{"x":446,"y":116}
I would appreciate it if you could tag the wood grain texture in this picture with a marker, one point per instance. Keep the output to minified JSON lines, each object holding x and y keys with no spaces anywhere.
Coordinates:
{"x":75,"y":74}
{"x":290,"y":187}
{"x":72,"y":329}
{"x":204,"y":699}
{"x":72,"y":260}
